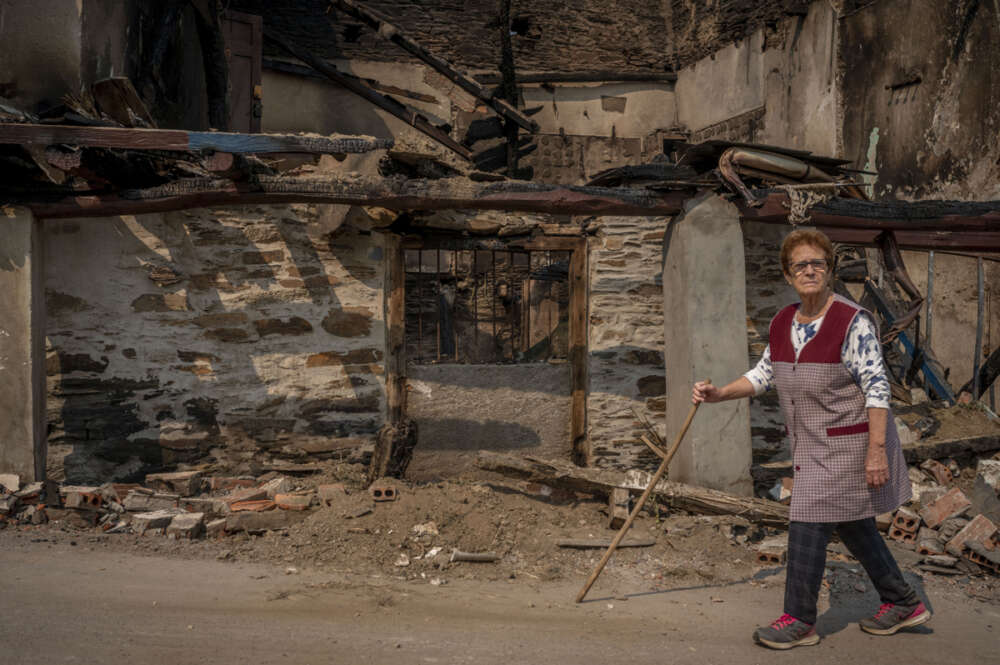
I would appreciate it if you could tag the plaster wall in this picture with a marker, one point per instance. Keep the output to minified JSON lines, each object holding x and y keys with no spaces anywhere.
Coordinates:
{"x":234,"y":333}
{"x":628,"y":110}
{"x":790,"y":77}
{"x":31,"y":35}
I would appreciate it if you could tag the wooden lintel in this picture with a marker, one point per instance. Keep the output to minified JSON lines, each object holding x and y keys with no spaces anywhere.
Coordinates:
{"x":492,"y":78}
{"x":381,"y":24}
{"x":362,"y":89}
{"x":174,"y":139}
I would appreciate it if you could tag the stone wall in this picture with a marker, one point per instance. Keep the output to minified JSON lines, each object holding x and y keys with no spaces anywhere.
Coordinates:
{"x":625,"y":339}
{"x":215,"y":331}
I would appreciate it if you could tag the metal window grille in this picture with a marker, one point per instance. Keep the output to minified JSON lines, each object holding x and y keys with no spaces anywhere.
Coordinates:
{"x":475,"y":306}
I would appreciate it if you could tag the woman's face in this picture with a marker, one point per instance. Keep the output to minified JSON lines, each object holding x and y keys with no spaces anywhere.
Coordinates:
{"x":808,"y":272}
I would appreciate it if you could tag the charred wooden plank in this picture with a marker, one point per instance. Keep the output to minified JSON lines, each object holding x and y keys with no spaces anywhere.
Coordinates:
{"x":607,"y":76}
{"x":385,"y":28}
{"x":175,"y":139}
{"x":601,"y":482}
{"x":396,"y":193}
{"x":309,"y":72}
{"x":362,"y":89}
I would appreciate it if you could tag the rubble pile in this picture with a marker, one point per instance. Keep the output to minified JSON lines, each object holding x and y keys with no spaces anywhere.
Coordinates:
{"x":955,"y":532}
{"x":184,"y":504}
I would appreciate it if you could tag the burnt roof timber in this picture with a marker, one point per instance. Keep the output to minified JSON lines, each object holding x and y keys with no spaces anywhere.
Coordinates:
{"x":180,"y":140}
{"x":362,"y":89}
{"x":492,"y":78}
{"x":385,"y":28}
{"x":309,"y":72}
{"x":401,"y":193}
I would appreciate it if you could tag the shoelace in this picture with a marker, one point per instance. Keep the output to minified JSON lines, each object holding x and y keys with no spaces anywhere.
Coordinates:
{"x":783,"y":621}
{"x":883,"y":609}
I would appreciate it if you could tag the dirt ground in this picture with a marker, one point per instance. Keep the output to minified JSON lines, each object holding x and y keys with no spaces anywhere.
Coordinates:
{"x":85,"y":598}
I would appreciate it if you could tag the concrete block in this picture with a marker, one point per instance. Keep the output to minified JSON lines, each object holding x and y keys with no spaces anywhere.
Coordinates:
{"x":186,"y":525}
{"x":704,"y":290}
{"x":948,"y":528}
{"x":279,"y":485}
{"x":146,"y":500}
{"x":906,"y":520}
{"x":980,"y":529}
{"x":331,"y":493}
{"x":989,"y":469}
{"x":215,"y":528}
{"x":618,"y":507}
{"x":928,"y":495}
{"x":952,"y":504}
{"x":8,"y":504}
{"x":183,"y":483}
{"x":293,"y":501}
{"x":10,"y":482}
{"x":979,"y":554}
{"x":154,"y":520}
{"x":771,"y":551}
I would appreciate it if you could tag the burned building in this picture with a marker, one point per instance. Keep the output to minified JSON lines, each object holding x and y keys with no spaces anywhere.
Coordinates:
{"x":205,"y":296}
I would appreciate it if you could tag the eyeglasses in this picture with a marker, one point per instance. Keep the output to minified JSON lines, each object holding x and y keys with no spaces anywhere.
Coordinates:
{"x":819,"y":265}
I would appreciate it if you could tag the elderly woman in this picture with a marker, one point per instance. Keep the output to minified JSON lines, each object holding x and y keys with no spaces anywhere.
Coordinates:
{"x":824,"y":358}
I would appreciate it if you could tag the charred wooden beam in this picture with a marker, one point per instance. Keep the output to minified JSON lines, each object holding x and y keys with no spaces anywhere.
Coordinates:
{"x":396,"y":193}
{"x":362,"y":89}
{"x":951,"y":241}
{"x":213,"y":53}
{"x":175,"y":139}
{"x":884,"y":216}
{"x":491,"y":78}
{"x":385,"y":28}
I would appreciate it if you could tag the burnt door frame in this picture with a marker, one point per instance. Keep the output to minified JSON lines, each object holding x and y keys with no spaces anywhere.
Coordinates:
{"x":246,"y":118}
{"x":395,"y":320}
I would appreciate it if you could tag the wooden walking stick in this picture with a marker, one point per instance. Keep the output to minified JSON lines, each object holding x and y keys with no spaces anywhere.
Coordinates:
{"x":639,"y":504}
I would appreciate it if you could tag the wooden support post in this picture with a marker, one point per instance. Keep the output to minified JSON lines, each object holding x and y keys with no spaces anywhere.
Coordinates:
{"x":578,"y":352}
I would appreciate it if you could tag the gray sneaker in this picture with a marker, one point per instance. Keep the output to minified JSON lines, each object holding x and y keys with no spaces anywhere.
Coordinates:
{"x":786,"y":632}
{"x":891,"y":618}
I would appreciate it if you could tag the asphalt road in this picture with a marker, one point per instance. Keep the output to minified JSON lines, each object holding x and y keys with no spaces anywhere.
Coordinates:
{"x":66,"y":604}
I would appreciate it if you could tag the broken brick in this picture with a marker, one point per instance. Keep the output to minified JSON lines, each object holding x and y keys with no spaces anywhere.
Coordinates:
{"x":279,"y":485}
{"x":980,"y":529}
{"x":252,"y":505}
{"x":902,"y":535}
{"x":248,"y":494}
{"x":147,"y":501}
{"x":227,"y":483}
{"x":952,"y":504}
{"x":939,"y":471}
{"x":383,"y":491}
{"x":156,"y":520}
{"x":293,"y":501}
{"x":906,"y":520}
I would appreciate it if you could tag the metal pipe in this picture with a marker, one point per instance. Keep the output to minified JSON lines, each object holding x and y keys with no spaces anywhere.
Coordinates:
{"x":979,"y":328}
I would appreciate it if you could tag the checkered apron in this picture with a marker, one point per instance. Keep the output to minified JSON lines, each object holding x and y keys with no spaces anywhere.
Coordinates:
{"x":827,"y":422}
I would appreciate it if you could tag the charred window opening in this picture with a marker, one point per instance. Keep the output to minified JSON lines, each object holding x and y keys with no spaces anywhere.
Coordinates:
{"x":352,"y":32}
{"x":474,"y":306}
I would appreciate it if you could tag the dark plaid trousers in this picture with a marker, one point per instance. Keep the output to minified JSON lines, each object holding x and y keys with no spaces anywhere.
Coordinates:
{"x":807,"y":559}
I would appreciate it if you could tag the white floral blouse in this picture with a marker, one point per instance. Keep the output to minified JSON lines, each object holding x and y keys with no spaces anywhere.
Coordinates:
{"x":861,"y":354}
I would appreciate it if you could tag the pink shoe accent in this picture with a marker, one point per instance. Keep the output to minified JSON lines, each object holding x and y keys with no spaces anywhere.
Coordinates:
{"x":917,"y":611}
{"x":782,"y":621}
{"x":885,"y":608}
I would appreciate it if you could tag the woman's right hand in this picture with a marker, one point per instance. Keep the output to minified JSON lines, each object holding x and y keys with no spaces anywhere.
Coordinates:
{"x":704,"y":391}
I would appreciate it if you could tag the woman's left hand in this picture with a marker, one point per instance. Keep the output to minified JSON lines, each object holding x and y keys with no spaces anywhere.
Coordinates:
{"x":876,"y":466}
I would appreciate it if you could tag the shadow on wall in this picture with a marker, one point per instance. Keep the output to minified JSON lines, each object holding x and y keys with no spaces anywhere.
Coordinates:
{"x":187,"y":370}
{"x":454,"y":434}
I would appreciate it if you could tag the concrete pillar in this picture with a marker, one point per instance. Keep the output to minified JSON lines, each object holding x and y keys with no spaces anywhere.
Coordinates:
{"x":22,"y":346}
{"x":704,"y":308}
